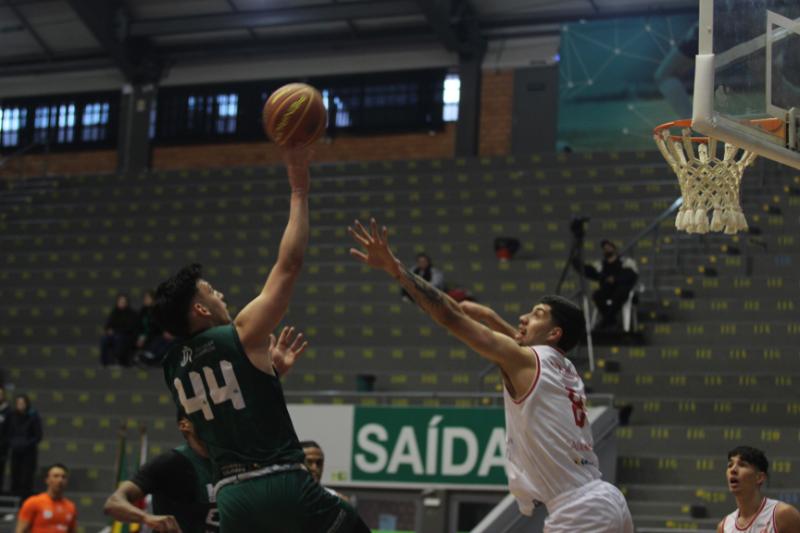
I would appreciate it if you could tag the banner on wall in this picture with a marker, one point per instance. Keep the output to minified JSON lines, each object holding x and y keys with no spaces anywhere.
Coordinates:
{"x":408,"y":447}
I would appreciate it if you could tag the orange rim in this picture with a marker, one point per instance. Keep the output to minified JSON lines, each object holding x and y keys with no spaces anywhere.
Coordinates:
{"x":774,"y":126}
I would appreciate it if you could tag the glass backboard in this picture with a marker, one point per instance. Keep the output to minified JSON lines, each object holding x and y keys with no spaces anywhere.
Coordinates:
{"x":748,"y":68}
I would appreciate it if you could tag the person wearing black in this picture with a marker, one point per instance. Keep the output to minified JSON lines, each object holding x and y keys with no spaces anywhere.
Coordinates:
{"x":617,"y":276}
{"x":180,"y":482}
{"x":121,"y":327}
{"x":5,"y":413}
{"x":24,"y":435}
{"x":152,"y":341}
{"x":424,"y":268}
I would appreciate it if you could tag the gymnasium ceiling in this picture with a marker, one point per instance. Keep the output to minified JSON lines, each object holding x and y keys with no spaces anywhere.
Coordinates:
{"x":143,"y":37}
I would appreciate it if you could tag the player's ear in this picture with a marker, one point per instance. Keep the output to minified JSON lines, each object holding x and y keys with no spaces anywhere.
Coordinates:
{"x":199,"y":309}
{"x":555,"y":335}
{"x":761,"y":478}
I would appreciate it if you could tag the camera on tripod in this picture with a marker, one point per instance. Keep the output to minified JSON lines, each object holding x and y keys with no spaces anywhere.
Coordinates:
{"x":578,"y":227}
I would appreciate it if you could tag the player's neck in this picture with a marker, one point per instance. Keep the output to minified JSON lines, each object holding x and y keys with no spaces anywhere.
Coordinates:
{"x":55,"y":495}
{"x":749,"y":504}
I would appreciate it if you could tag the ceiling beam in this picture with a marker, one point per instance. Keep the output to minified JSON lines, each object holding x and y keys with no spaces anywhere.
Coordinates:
{"x":107,"y":22}
{"x":101,"y":17}
{"x":455,"y":23}
{"x":30,"y":67}
{"x":687,"y":8}
{"x":373,"y":40}
{"x":235,"y":9}
{"x":46,"y":50}
{"x":273,"y":17}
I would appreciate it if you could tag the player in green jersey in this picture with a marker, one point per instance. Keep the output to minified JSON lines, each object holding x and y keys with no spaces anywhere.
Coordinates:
{"x":220,"y":370}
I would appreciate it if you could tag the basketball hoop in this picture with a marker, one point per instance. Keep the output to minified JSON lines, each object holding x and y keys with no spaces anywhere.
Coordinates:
{"x":708,"y":182}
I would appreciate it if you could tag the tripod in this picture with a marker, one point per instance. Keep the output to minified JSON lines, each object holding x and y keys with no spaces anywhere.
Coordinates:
{"x":575,"y":257}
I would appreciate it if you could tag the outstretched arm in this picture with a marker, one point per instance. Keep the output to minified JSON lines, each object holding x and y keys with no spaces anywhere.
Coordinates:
{"x":489,"y":317}
{"x":260,"y":317}
{"x":120,"y":506}
{"x":445,"y":311}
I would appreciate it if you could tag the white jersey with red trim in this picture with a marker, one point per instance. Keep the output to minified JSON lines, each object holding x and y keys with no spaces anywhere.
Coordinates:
{"x":762,"y":522}
{"x":549,"y":445}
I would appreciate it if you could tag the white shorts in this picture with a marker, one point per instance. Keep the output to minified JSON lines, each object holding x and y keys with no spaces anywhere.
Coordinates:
{"x":597,"y":507}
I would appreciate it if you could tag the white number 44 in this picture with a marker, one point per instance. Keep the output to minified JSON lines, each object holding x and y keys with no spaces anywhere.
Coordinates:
{"x":199,"y":401}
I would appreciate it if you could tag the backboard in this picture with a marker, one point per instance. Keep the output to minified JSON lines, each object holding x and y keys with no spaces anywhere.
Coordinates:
{"x":748,"y":67}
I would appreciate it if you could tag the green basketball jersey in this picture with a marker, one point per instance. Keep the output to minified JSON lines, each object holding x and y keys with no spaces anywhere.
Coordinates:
{"x":203,"y":492}
{"x":238,"y":411}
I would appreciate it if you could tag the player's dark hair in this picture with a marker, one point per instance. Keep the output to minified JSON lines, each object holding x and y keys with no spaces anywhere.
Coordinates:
{"x":568,"y":317}
{"x":181,"y":414}
{"x":174,"y":299}
{"x":62,"y":466}
{"x":754,"y":456}
{"x":309,"y":444}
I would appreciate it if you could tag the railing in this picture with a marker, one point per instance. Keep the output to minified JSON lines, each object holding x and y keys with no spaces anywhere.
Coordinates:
{"x":653,"y":228}
{"x":388,"y":397}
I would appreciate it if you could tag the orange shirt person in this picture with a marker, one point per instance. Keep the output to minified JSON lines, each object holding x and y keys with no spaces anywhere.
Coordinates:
{"x":50,"y":511}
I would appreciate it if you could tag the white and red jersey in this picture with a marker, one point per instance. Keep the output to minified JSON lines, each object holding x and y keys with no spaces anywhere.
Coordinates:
{"x":762,"y":522}
{"x":549,"y":445}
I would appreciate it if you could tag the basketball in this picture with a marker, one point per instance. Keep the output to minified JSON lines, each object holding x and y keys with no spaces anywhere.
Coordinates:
{"x":294,"y":115}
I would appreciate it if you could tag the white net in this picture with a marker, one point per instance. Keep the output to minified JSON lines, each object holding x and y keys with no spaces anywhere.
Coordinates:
{"x":709,"y":184}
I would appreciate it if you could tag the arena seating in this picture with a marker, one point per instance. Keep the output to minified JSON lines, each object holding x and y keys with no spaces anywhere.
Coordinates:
{"x":715,"y":362}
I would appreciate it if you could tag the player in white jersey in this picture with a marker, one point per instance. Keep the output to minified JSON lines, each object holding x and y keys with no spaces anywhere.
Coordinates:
{"x":549,"y":447}
{"x":747,"y":471}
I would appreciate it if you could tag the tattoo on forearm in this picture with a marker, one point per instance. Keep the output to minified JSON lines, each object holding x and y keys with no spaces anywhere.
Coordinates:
{"x":423,"y":293}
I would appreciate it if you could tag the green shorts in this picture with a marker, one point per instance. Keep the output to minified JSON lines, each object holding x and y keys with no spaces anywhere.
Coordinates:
{"x":284,"y":502}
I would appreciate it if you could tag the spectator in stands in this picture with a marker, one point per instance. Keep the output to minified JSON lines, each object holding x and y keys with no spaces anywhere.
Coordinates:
{"x":122,"y":324}
{"x":49,"y":511}
{"x":24,"y":434}
{"x":315,"y":463}
{"x":424,"y":268}
{"x":617,"y":276}
{"x":5,"y":413}
{"x":152,"y":341}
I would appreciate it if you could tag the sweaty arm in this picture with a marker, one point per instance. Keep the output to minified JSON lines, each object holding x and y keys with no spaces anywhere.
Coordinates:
{"x":259,"y":318}
{"x":514,"y":360}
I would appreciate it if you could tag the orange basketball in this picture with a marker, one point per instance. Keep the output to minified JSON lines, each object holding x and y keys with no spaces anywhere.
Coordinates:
{"x":294,"y":115}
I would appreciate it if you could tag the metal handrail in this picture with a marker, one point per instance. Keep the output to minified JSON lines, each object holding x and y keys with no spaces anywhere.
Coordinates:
{"x":653,"y":228}
{"x":596,"y":399}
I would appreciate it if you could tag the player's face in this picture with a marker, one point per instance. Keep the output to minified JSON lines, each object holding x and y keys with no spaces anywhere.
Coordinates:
{"x":315,"y":462}
{"x":56,"y":480}
{"x":742,"y":476}
{"x":535,"y":327}
{"x":214,"y":301}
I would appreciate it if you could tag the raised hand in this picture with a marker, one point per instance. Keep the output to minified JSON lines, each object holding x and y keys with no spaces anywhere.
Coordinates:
{"x":297,"y":161}
{"x":286,"y":349}
{"x":375,"y":243}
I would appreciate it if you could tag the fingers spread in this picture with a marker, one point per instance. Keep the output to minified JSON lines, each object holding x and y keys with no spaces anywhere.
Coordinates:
{"x":361,"y":256}
{"x":363,"y":241}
